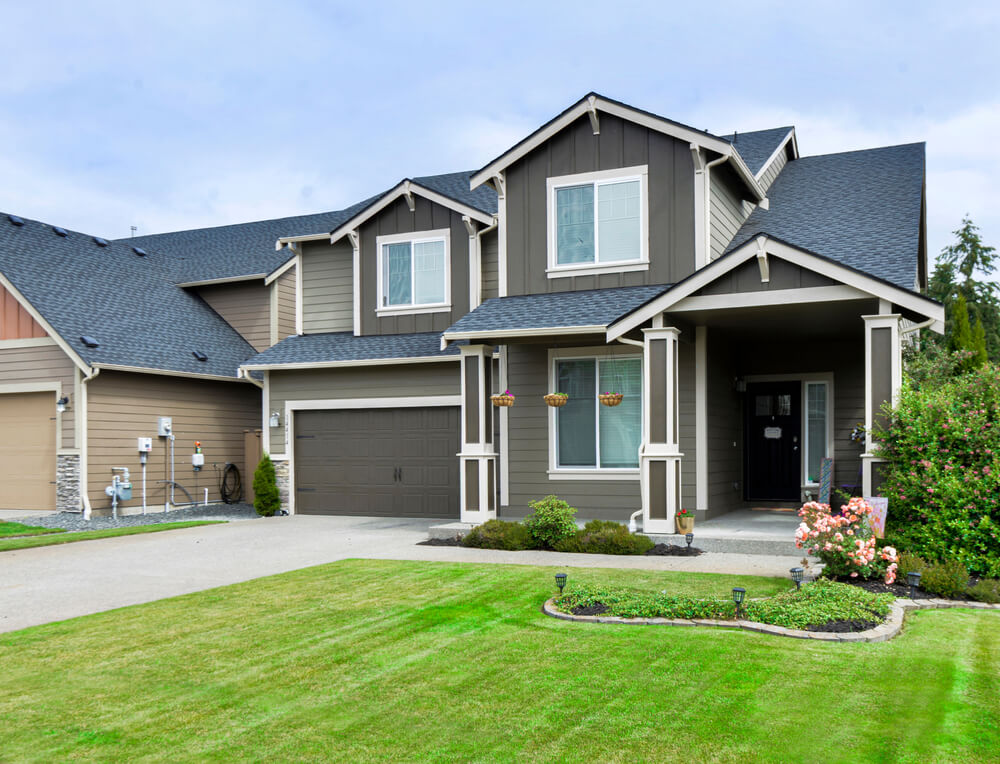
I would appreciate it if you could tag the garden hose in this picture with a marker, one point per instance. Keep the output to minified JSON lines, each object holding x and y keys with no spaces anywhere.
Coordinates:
{"x":231,"y":486}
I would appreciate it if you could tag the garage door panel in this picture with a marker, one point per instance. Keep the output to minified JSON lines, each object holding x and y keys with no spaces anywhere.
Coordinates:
{"x":27,"y":451}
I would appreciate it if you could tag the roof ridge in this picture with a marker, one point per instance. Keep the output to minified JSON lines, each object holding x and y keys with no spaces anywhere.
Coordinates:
{"x":862,"y":151}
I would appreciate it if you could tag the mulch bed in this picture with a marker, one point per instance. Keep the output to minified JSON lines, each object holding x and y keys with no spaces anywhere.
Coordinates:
{"x":672,"y":550}
{"x":598,"y":609}
{"x":901,"y":590}
{"x":844,"y":627}
{"x":457,"y":541}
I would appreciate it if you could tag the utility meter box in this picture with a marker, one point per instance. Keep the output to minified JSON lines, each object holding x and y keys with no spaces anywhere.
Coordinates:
{"x":197,"y":460}
{"x":165,"y":426}
{"x":145,"y":445}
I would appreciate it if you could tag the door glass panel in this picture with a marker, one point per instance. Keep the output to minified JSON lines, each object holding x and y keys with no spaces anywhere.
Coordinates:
{"x":784,"y":405}
{"x":816,"y":425}
{"x":764,"y":405}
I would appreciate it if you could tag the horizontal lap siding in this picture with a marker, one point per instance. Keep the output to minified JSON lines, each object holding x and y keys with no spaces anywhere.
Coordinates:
{"x":47,"y":363}
{"x":123,"y":407}
{"x":727,"y":212}
{"x":773,"y":169}
{"x":686,"y":421}
{"x":285,"y":304}
{"x":245,"y":306}
{"x":327,"y":287}
{"x":489,"y":265}
{"x":725,"y":429}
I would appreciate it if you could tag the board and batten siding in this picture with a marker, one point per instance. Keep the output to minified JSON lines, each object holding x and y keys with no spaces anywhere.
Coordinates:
{"x":396,"y":218}
{"x":528,"y":450}
{"x":327,"y":287}
{"x":16,"y":323}
{"x":245,"y":306}
{"x":489,"y":265}
{"x":43,"y":364}
{"x":577,"y":150}
{"x":781,"y":275}
{"x":123,"y":406}
{"x":391,"y":381}
{"x":774,"y":169}
{"x":283,"y":319}
{"x":727,"y":210}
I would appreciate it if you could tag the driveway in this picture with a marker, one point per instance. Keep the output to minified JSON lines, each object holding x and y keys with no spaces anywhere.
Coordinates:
{"x":53,"y":583}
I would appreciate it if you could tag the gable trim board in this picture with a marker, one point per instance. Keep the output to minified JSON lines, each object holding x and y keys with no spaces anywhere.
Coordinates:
{"x":226,"y":280}
{"x":536,"y":332}
{"x":282,"y":269}
{"x":797,"y":256}
{"x":342,"y":364}
{"x":169,"y":373}
{"x":774,"y":154}
{"x":27,"y":342}
{"x":593,"y":102}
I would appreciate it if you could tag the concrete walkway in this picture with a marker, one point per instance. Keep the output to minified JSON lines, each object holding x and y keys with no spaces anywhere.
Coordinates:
{"x":53,"y":583}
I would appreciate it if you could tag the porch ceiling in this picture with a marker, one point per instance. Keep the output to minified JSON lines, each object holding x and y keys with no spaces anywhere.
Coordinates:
{"x":808,"y":320}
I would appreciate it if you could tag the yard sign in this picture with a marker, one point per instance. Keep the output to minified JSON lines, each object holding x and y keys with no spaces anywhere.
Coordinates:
{"x":825,"y":480}
{"x":880,"y":508}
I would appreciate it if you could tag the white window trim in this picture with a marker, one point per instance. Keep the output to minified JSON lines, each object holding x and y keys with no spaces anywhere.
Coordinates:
{"x":555,"y":472}
{"x":806,"y":379}
{"x":441,"y":234}
{"x":554,"y":269}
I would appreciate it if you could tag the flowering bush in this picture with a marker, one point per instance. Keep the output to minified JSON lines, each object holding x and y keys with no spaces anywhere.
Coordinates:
{"x":845,"y":541}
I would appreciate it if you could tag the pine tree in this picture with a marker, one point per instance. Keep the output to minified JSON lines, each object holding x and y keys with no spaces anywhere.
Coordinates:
{"x":963,"y":270}
{"x":979,"y":346}
{"x":266,"y":500}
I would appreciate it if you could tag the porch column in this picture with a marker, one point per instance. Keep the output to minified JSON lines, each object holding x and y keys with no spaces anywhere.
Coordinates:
{"x":883,"y":378}
{"x":659,"y":455}
{"x":477,"y":460}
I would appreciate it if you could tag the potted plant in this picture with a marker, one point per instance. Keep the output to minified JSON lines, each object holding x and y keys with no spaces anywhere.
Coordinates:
{"x":610,"y":399}
{"x":506,"y":398}
{"x":684,"y":521}
{"x":555,"y":400}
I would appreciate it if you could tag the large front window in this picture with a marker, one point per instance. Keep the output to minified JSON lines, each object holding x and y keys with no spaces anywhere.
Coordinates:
{"x":413,"y":272}
{"x":590,"y":435}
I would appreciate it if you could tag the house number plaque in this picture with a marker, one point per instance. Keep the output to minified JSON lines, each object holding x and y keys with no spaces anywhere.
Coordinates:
{"x":772,"y":433}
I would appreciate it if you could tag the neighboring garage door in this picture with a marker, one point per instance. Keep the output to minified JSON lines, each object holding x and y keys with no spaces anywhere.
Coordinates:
{"x":382,"y":462}
{"x":27,"y":451}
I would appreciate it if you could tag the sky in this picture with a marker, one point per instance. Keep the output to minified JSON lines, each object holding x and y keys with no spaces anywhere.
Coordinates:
{"x":168,"y":116}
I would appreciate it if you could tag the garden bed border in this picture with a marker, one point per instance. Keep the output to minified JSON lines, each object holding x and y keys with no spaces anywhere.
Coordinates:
{"x":886,"y":631}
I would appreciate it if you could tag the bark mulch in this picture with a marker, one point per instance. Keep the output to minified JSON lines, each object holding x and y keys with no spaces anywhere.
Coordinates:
{"x":672,"y":550}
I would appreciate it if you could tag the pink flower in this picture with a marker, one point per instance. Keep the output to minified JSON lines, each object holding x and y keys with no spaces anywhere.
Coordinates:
{"x":854,"y":575}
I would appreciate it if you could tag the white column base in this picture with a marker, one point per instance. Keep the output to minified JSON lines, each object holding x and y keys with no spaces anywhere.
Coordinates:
{"x":653,"y":491}
{"x":482,"y":504}
{"x":868,"y":462}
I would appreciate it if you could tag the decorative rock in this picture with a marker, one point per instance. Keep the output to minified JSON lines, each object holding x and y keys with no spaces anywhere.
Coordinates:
{"x":68,"y":482}
{"x":282,"y":480}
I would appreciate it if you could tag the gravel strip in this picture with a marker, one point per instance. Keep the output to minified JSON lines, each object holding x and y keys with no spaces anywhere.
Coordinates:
{"x":72,"y":521}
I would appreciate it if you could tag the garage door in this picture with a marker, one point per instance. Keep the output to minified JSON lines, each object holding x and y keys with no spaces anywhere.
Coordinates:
{"x":381,"y":462}
{"x":28,"y":451}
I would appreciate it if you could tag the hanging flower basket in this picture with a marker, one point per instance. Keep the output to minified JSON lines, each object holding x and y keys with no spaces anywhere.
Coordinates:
{"x":555,"y":400}
{"x":610,"y":399}
{"x":503,"y":399}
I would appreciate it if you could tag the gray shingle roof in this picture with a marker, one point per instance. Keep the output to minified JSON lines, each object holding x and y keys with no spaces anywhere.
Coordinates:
{"x":455,"y":186}
{"x":757,"y":146}
{"x":129,"y":304}
{"x":860,"y":208}
{"x":344,"y":346}
{"x":594,"y":307}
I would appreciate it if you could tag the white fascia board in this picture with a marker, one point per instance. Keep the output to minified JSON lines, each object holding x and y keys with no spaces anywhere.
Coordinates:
{"x":769,"y":297}
{"x":281,"y":270}
{"x":346,"y":364}
{"x":841,"y":273}
{"x":286,"y":240}
{"x":225,"y":280}
{"x":542,"y":332}
{"x":40,"y":320}
{"x":775,"y":153}
{"x":407,"y":187}
{"x":168,"y":373}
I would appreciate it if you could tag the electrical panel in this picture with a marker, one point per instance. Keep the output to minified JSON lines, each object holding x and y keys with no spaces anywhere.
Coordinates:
{"x":145,"y":445}
{"x":165,"y":426}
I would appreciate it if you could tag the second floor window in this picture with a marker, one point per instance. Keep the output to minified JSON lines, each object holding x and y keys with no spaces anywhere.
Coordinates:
{"x":413,"y":272}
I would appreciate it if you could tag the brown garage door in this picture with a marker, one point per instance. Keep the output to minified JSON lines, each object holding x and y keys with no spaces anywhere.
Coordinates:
{"x":382,"y":462}
{"x":28,"y":451}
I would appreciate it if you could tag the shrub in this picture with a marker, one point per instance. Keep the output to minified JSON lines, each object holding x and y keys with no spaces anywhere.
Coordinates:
{"x":265,"y":488}
{"x":945,"y":579}
{"x":845,"y":541}
{"x":909,"y":563}
{"x":942,"y":477}
{"x":603,"y":537}
{"x":987,"y":590}
{"x":497,"y":534}
{"x":551,"y":521}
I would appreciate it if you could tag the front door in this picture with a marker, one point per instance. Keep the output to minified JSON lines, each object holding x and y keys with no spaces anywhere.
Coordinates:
{"x":773,"y":441}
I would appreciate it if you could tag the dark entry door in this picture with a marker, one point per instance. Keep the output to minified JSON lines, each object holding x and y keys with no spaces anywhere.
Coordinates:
{"x":773,"y":441}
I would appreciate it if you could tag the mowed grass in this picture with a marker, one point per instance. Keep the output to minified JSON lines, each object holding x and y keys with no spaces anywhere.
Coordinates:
{"x":8,"y":529}
{"x":8,"y":544}
{"x":412,"y":661}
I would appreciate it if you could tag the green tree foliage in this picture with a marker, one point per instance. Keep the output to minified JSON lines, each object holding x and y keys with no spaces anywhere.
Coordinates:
{"x":265,"y":488}
{"x":966,"y":343}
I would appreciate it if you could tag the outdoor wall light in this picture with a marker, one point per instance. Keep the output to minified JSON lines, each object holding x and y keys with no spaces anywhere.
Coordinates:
{"x":560,"y":581}
{"x":275,"y":420}
{"x":739,"y":593}
{"x":62,"y":404}
{"x":797,"y":576}
{"x":913,"y":579}
{"x":689,"y":537}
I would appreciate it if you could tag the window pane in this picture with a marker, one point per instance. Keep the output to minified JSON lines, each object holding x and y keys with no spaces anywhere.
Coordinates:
{"x":621,"y":425}
{"x":575,"y":225}
{"x":815,"y":430}
{"x":575,"y":421}
{"x":428,"y":272}
{"x":397,"y":274}
{"x":618,"y":221}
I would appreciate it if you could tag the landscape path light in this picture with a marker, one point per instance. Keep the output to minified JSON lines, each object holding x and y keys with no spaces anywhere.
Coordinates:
{"x":560,"y":581}
{"x":689,"y":537}
{"x":739,"y":593}
{"x":913,"y":579}
{"x":797,"y":576}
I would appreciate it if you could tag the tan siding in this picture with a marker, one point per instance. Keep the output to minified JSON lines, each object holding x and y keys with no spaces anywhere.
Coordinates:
{"x":490,"y":265}
{"x":15,"y":322}
{"x":285,"y":286}
{"x":773,"y":169}
{"x":245,"y":306}
{"x":727,"y":213}
{"x":47,"y":363}
{"x":123,"y":407}
{"x":327,"y":287}
{"x":441,"y":378}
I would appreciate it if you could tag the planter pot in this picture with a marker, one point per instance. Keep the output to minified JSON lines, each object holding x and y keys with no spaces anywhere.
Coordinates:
{"x":555,"y":401}
{"x":684,"y":523}
{"x":502,"y":400}
{"x":610,"y":399}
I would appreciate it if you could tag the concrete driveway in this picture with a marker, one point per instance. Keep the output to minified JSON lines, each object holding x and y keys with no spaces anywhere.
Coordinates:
{"x":53,"y":583}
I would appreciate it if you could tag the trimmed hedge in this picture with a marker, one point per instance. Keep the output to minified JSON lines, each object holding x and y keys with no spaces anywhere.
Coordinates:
{"x":498,"y":534}
{"x":605,"y":537}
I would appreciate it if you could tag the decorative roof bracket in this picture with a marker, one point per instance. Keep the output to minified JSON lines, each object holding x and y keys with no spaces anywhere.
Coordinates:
{"x":762,"y":262}
{"x":409,"y":197}
{"x":595,"y":123}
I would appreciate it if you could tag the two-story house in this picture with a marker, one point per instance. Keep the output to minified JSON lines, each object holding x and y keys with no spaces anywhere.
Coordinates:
{"x":748,"y":304}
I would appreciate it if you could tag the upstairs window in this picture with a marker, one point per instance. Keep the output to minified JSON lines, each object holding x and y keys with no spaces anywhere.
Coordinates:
{"x":598,"y":221}
{"x":413,"y":272}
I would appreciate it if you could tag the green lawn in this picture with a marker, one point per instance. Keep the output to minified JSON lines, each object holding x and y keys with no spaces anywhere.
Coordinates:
{"x":8,"y":544}
{"x":20,"y":529}
{"x":407,"y":661}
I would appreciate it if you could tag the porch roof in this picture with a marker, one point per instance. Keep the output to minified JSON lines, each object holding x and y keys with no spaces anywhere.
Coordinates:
{"x":534,"y":314}
{"x":343,"y":348}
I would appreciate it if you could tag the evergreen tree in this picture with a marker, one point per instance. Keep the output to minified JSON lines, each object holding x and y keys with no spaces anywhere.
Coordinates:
{"x":266,"y":499}
{"x":979,"y":346}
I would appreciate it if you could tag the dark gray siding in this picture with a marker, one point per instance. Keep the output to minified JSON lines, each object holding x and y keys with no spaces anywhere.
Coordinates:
{"x":490,"y":265}
{"x":783,"y":275}
{"x":397,"y":218}
{"x":577,"y":150}
{"x":727,"y":211}
{"x":327,"y":288}
{"x":725,"y":427}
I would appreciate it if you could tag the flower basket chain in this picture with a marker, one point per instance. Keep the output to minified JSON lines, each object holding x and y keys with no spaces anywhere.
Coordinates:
{"x":610,"y":399}
{"x":555,"y":400}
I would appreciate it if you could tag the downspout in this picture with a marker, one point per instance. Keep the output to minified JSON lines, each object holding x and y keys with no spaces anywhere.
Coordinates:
{"x":82,"y":435}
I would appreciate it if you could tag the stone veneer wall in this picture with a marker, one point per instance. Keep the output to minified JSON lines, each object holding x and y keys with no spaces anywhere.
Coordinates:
{"x":68,"y":482}
{"x":281,"y":478}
